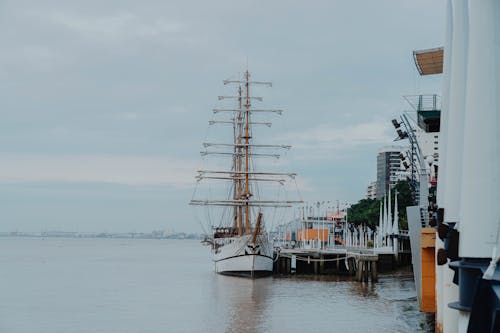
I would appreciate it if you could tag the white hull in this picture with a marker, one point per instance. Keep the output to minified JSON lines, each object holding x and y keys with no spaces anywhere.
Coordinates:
{"x":238,"y":256}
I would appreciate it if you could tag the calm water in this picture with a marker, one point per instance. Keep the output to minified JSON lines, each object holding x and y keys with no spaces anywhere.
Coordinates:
{"x":112,"y":285}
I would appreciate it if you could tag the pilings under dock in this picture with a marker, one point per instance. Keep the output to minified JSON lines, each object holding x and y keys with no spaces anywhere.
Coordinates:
{"x":364,"y":264}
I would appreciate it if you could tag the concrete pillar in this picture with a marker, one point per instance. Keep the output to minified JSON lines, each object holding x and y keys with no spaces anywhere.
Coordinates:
{"x":455,"y":114}
{"x":452,"y":172}
{"x":442,"y":152}
{"x":481,"y":149}
{"x":480,"y":211}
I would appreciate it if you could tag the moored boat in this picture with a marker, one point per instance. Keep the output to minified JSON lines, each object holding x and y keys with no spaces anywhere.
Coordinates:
{"x":239,"y":241}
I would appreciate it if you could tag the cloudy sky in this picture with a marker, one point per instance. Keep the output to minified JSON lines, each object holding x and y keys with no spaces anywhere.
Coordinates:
{"x":104,"y":104}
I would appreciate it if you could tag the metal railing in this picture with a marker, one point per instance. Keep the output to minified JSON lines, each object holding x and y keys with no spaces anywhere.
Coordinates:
{"x":424,"y":102}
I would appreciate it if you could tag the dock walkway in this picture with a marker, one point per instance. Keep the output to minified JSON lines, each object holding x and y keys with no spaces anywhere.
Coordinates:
{"x":358,"y":261}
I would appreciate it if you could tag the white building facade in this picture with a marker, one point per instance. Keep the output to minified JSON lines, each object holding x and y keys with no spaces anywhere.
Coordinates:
{"x":390,"y":169}
{"x":371,"y":190}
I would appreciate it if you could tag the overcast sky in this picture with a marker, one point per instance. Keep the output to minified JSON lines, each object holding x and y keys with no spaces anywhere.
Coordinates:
{"x":104,"y":104}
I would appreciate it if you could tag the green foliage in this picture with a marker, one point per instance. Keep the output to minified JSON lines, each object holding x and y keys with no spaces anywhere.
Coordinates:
{"x":366,"y":211}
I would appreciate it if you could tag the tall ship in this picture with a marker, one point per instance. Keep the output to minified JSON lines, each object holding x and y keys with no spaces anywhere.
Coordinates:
{"x":238,"y":238}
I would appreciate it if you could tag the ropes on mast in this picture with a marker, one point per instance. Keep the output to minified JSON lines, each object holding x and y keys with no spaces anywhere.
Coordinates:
{"x":245,"y":187}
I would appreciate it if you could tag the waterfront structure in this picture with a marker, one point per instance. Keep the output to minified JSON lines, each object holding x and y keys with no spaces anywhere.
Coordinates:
{"x":390,"y":169}
{"x":328,"y":243}
{"x":240,"y":243}
{"x":437,"y":288}
{"x":423,"y":135}
{"x":332,"y":230}
{"x":468,"y":220}
{"x":422,"y":129}
{"x":468,"y":193}
{"x":316,"y":229}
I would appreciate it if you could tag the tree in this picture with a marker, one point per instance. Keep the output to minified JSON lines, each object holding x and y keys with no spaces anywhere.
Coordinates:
{"x":366,"y":211}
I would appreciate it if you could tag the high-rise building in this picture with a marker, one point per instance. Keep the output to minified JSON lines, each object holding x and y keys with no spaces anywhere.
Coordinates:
{"x":389,"y":170}
{"x":371,"y":190}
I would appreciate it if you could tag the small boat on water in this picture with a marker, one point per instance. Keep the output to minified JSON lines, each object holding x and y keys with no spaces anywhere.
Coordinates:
{"x":239,"y":241}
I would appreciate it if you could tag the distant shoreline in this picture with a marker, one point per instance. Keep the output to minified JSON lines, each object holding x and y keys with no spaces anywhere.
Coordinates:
{"x":137,"y":235}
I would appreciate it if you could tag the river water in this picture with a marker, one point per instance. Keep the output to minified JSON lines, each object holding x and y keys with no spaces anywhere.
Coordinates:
{"x":126,"y":285}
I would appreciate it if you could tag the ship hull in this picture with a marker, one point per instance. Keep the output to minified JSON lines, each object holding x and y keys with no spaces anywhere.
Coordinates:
{"x":248,"y":265}
{"x":238,"y":256}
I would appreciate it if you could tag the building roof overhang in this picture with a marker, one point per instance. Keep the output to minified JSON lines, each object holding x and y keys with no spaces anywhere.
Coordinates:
{"x":429,"y":61}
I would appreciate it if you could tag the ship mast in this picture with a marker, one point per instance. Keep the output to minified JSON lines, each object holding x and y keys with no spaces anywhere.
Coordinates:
{"x":236,"y":224}
{"x":247,"y":151}
{"x":241,"y":174}
{"x":238,"y":209}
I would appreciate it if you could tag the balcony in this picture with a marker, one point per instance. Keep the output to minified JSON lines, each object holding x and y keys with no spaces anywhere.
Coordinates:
{"x":428,"y":108}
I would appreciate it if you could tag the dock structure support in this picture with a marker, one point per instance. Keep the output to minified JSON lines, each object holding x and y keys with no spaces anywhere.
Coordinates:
{"x":276,"y":266}
{"x":366,"y":270}
{"x":374,"y":275}
{"x":352,"y":265}
{"x":359,"y":270}
{"x":303,"y":261}
{"x":293,"y":262}
{"x":283,"y":265}
{"x":366,"y":267}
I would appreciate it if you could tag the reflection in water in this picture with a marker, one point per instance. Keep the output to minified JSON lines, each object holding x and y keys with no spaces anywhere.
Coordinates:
{"x":324,"y":303}
{"x":364,"y":290}
{"x":146,"y":286}
{"x":243,"y":302}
